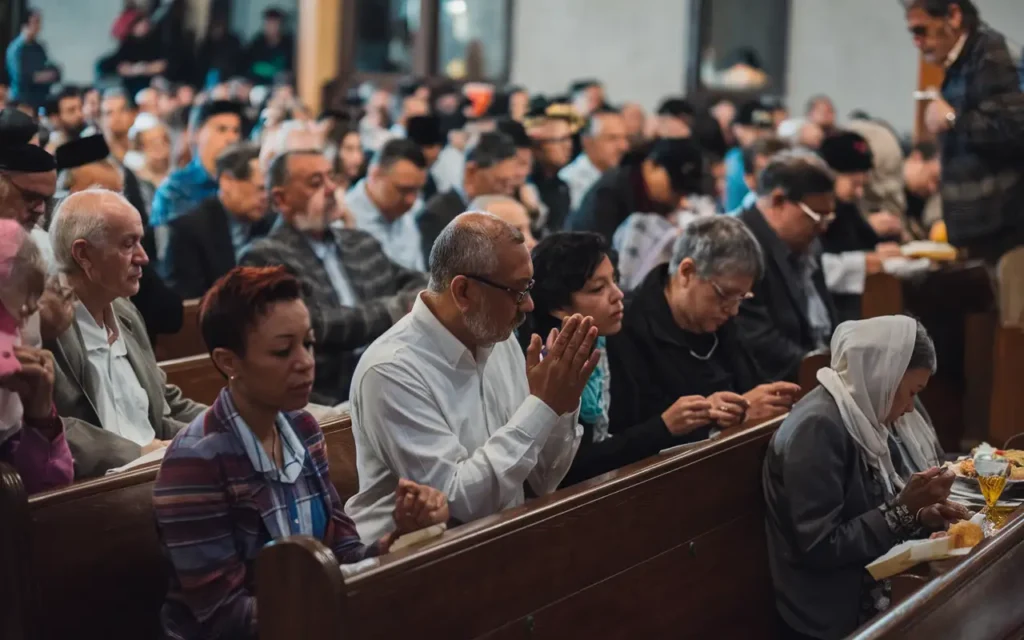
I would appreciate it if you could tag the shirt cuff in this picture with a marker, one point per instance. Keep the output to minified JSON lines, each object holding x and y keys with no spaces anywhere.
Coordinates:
{"x":534,"y":417}
{"x":845,"y":273}
{"x":51,"y":424}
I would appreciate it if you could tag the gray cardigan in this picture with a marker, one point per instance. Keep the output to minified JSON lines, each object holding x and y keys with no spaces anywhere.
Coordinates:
{"x":94,"y":449}
{"x":823,"y":521}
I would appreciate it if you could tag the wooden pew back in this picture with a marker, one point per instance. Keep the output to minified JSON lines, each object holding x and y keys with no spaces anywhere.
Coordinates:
{"x":979,"y":598}
{"x":85,"y":560}
{"x":86,"y":557}
{"x":883,"y":296}
{"x":197,"y":377}
{"x":670,"y":547}
{"x":812,"y":363}
{"x":341,"y":456}
{"x":185,"y":343}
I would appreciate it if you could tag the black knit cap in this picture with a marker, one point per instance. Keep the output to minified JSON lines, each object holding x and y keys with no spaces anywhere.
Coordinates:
{"x":425,"y":131}
{"x":16,"y":153}
{"x":83,"y":151}
{"x":847,"y":152}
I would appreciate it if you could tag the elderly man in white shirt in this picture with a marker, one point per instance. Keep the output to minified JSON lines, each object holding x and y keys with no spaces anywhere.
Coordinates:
{"x":446,"y":398}
{"x":108,"y":388}
{"x":604,"y":141}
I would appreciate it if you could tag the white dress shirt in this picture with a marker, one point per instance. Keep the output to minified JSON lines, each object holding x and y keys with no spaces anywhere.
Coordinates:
{"x":580,"y":175}
{"x":121,"y":402}
{"x":449,"y":169}
{"x":400,"y":239}
{"x":423,"y":408}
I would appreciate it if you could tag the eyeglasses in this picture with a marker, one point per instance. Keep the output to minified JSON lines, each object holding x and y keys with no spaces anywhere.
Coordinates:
{"x":823,"y":219}
{"x":729,"y":300}
{"x":518,"y":295}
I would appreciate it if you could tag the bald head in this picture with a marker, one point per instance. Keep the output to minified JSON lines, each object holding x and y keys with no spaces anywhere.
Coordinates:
{"x":97,"y":236}
{"x":510,"y":211}
{"x":471,"y":244}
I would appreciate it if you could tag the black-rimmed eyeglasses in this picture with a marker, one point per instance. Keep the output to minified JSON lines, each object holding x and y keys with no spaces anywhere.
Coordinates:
{"x":519,"y":295}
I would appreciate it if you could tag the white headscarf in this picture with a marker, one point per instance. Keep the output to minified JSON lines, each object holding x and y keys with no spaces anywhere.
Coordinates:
{"x":869,"y":359}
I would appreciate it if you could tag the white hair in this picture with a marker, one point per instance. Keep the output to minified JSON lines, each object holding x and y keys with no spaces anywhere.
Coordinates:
{"x":290,"y":136}
{"x":81,"y":216}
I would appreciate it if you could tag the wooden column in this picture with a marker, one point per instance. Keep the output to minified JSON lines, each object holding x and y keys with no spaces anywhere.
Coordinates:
{"x":929,"y":79}
{"x":318,"y":43}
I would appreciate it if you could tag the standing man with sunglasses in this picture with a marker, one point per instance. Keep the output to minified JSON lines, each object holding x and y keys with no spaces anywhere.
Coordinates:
{"x":979,"y":122}
{"x":446,"y":398}
{"x":792,"y":312}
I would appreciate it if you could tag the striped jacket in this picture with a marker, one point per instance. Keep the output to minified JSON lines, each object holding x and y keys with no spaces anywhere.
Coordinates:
{"x":386,"y":292}
{"x":214,"y":513}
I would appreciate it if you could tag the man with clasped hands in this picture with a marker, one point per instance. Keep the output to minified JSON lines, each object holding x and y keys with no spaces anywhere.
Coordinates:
{"x":445,"y":398}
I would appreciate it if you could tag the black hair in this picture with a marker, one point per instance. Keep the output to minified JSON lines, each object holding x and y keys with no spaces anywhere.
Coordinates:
{"x":399,"y":149}
{"x":29,"y":14}
{"x":516,"y":131}
{"x":65,"y":92}
{"x":763,"y":147}
{"x":798,"y":174}
{"x":562,"y":264}
{"x":236,"y":161}
{"x":490,"y":149}
{"x":941,"y":8}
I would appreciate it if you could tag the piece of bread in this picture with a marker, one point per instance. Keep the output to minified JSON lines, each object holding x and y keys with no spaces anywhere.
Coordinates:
{"x":965,"y":534}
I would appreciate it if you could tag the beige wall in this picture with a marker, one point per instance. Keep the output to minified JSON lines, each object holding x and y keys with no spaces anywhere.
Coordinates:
{"x":637,"y":47}
{"x":859,"y":52}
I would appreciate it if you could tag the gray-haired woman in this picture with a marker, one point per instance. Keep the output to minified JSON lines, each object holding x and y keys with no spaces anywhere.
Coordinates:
{"x":678,"y":354}
{"x":837,"y":478}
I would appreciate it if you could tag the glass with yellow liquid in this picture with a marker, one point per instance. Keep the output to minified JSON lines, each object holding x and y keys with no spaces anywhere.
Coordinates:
{"x":992,"y":474}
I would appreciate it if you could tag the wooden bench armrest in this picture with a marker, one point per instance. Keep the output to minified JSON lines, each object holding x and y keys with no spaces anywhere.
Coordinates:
{"x":289,"y":572}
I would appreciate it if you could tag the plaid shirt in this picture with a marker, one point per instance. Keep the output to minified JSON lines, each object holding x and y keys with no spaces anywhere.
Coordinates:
{"x":983,"y":154}
{"x":385,"y":290}
{"x":215,"y":510}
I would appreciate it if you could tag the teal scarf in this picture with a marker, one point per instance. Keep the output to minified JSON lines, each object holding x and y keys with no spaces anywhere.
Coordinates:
{"x":592,"y":398}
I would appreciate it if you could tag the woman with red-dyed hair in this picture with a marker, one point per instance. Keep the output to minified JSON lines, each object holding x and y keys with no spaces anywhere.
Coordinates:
{"x":253,"y":467}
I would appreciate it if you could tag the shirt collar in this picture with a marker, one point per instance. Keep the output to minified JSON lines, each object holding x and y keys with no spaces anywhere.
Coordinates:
{"x":293,"y":453}
{"x":97,"y":338}
{"x":955,"y":52}
{"x":450,"y":347}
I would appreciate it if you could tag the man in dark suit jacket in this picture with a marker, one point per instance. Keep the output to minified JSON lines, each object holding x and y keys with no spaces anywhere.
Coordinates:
{"x":490,"y":171}
{"x":205,"y":244}
{"x":792,"y":312}
{"x":353,"y":291}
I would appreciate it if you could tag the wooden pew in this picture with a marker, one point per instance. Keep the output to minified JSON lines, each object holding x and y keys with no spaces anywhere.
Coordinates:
{"x":85,"y":558}
{"x":808,"y":375}
{"x":187,"y":342}
{"x":197,"y":377}
{"x":883,"y":296}
{"x":673,"y":546}
{"x":978,"y":598}
{"x":341,"y":456}
{"x":84,"y":561}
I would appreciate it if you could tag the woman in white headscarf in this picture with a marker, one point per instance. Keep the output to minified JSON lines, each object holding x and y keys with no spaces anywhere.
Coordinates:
{"x":839,"y":478}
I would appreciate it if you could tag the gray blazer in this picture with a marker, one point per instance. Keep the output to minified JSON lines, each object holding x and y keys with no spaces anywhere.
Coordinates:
{"x":94,"y":449}
{"x":823,"y":521}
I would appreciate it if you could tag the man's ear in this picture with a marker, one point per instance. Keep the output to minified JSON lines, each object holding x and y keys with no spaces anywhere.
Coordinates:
{"x":277,"y":198}
{"x":80,"y":254}
{"x":459,"y":290}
